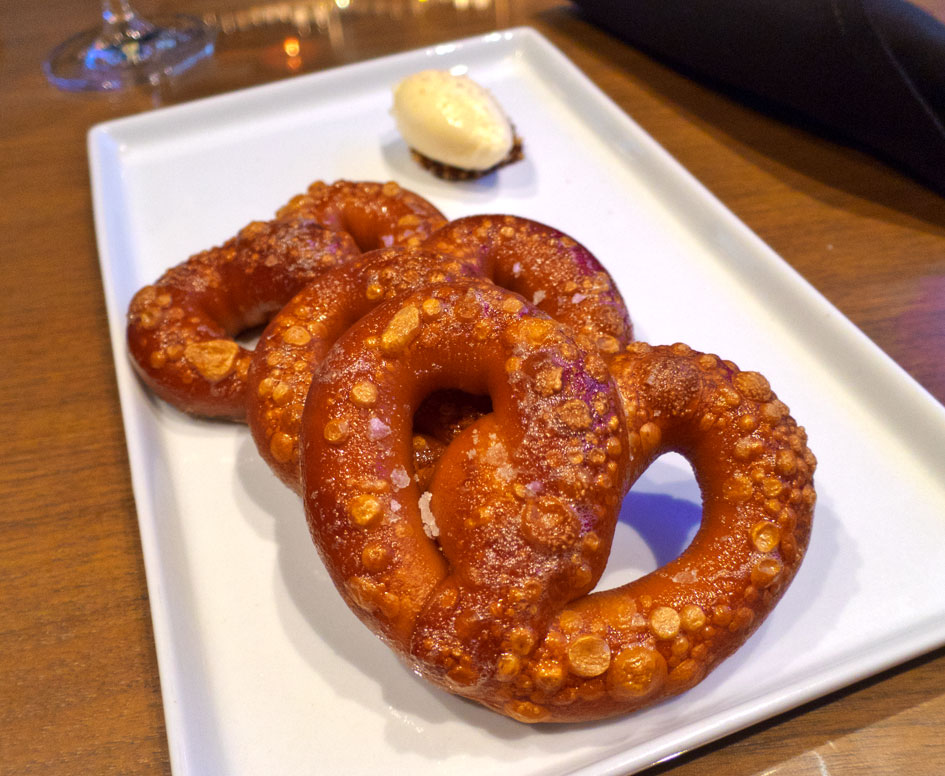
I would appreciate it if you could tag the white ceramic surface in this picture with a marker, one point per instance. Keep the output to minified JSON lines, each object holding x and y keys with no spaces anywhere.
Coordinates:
{"x":263,"y":669}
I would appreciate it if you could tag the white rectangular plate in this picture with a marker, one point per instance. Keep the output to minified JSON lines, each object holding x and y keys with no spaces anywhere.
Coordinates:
{"x":263,"y":669}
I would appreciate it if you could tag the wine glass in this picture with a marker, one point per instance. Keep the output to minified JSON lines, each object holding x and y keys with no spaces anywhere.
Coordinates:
{"x":128,"y":49}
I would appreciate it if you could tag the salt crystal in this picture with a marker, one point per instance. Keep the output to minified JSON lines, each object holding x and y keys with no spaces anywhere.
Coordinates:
{"x":426,"y":514}
{"x":686,"y":577}
{"x":377,"y":429}
{"x":399,"y":478}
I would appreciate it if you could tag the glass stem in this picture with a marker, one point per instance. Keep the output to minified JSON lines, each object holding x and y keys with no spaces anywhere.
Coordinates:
{"x":122,"y":23}
{"x":117,"y":12}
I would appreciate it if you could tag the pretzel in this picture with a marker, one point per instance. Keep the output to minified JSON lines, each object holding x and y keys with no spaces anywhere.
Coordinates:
{"x":181,"y":329}
{"x":463,"y":453}
{"x":547,"y":267}
{"x":526,"y":498}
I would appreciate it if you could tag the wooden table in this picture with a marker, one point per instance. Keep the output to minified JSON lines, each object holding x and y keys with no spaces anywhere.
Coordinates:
{"x":79,"y":690}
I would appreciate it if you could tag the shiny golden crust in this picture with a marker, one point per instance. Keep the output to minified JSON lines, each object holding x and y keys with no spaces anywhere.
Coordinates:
{"x":547,"y":267}
{"x":451,"y":607}
{"x":180,"y":329}
{"x":616,"y":651}
{"x":376,"y":215}
{"x":525,"y":501}
{"x":299,"y":336}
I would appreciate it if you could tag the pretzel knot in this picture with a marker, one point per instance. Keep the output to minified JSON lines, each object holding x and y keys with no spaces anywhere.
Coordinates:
{"x":482,"y":583}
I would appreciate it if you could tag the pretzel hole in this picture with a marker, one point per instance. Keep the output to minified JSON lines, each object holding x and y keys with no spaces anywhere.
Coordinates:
{"x":658,"y":520}
{"x":248,"y":337}
{"x":439,"y":419}
{"x":446,"y":412}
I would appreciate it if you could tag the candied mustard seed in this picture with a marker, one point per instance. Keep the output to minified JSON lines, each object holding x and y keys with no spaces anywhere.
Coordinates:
{"x":375,"y":556}
{"x":507,"y":667}
{"x":432,"y":307}
{"x":650,"y":435}
{"x":401,"y":331}
{"x":296,"y":335}
{"x":549,"y":675}
{"x":589,"y":656}
{"x":765,"y":572}
{"x":213,"y":359}
{"x":753,"y":386}
{"x":364,"y":393}
{"x":765,"y":536}
{"x":636,"y":673}
{"x":512,"y":305}
{"x":665,"y":622}
{"x":364,"y":510}
{"x":575,"y":414}
{"x":692,"y":618}
{"x":336,"y":431}
{"x":738,"y":487}
{"x":282,"y":447}
{"x":548,"y":380}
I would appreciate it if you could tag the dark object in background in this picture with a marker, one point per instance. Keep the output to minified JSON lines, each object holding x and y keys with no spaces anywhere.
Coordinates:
{"x":871,"y":70}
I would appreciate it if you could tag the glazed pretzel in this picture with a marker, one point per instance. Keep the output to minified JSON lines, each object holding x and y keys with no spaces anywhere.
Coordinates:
{"x":617,"y":651}
{"x":181,"y":329}
{"x":526,"y":499}
{"x":525,"y":484}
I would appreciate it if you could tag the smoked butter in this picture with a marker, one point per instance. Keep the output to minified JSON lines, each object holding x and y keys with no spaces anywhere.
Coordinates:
{"x":452,"y":120}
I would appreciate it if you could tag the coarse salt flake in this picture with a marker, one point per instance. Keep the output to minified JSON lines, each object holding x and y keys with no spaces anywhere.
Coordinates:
{"x":430,"y":527}
{"x":399,"y":478}
{"x":378,"y":429}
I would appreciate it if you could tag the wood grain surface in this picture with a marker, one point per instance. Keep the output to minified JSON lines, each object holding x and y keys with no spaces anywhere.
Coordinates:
{"x":79,"y":689}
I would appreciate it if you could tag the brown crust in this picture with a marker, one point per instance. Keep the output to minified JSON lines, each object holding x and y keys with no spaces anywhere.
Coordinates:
{"x":181,"y":329}
{"x":525,"y":485}
{"x":498,"y":609}
{"x":546,"y":266}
